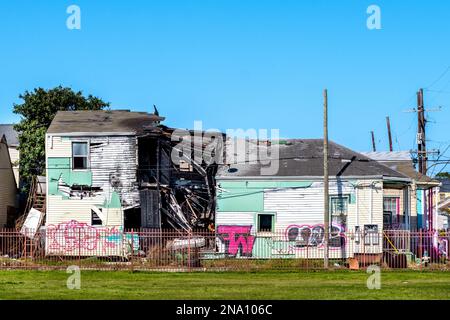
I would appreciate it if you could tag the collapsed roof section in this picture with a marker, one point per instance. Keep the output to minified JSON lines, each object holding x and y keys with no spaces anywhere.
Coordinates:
{"x":162,"y":177}
{"x":176,"y":173}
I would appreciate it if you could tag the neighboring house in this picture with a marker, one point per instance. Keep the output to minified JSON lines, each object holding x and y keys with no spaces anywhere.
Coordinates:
{"x":111,"y":170}
{"x":444,"y":201}
{"x":12,"y":138}
{"x":285,"y":208}
{"x":444,"y":190}
{"x":8,"y":188}
{"x":415,"y":208}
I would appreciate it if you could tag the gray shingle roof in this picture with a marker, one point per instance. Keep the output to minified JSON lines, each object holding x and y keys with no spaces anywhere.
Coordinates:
{"x":303,"y":158}
{"x":103,"y":121}
{"x":445,"y":187}
{"x":12,"y":136}
{"x":400,"y":161}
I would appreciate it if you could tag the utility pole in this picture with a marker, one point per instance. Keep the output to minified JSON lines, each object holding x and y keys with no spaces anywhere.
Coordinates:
{"x":421,"y":143}
{"x":325,"y":179}
{"x":388,"y":123}
{"x":422,"y":152}
{"x":374,"y":147}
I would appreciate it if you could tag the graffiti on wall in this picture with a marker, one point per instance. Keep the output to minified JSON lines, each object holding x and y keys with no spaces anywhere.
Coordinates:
{"x":73,"y":237}
{"x":313,"y":236}
{"x":237,"y":239}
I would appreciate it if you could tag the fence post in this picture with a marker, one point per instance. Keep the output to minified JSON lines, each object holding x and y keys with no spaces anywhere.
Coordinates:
{"x":132,"y":248}
{"x":31,"y":250}
{"x":79,"y":246}
{"x":420,"y":248}
{"x":307,"y":256}
{"x":25,"y":248}
{"x":189,"y":251}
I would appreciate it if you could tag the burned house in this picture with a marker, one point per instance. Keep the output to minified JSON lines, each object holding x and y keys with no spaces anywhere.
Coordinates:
{"x":120,"y":170}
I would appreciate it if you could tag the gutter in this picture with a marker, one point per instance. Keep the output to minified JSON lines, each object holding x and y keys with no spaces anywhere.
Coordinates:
{"x":391,"y":179}
{"x":314,"y":178}
{"x":90,"y":134}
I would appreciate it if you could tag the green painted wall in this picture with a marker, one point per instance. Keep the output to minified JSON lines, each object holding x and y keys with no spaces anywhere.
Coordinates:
{"x":60,"y":168}
{"x":248,"y":196}
{"x":114,"y":202}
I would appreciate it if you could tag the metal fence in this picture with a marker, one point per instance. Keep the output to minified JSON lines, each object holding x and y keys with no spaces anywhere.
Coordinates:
{"x":228,"y":248}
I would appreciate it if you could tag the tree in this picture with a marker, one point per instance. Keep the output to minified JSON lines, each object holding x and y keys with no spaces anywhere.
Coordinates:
{"x":445,"y":175}
{"x":38,"y":109}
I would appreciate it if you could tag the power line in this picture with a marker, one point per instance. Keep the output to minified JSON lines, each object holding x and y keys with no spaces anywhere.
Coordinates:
{"x":439,"y":78}
{"x":440,"y":157}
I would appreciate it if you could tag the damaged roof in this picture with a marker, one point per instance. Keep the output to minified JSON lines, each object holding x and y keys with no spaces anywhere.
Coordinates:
{"x":11,"y":135}
{"x":400,"y":161}
{"x":304,"y":158}
{"x":102,"y":121}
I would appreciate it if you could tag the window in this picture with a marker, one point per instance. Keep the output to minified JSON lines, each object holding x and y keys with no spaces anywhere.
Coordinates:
{"x":339,"y":210}
{"x":357,"y":234}
{"x":391,"y":212}
{"x":79,"y":155}
{"x":95,"y":219}
{"x":265,"y":222}
{"x":371,"y":236}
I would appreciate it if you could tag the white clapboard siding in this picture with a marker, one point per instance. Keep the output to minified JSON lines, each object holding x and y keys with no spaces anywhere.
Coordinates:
{"x":14,"y":156}
{"x":235,"y":218}
{"x":305,"y":205}
{"x":413,"y":197}
{"x":61,"y":210}
{"x":58,"y":147}
{"x":113,"y":162}
{"x":364,"y":203}
{"x":300,"y":205}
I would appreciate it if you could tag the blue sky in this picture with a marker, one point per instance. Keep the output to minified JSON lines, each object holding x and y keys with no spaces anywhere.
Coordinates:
{"x":241,"y":64}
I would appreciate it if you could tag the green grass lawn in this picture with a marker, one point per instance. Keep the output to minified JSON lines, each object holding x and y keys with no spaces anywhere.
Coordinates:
{"x":229,"y":285}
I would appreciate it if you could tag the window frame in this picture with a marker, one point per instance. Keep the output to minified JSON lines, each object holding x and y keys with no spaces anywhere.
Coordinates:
{"x":342,"y":216}
{"x":258,"y":230}
{"x":99,"y":219}
{"x":395,"y":216}
{"x":371,"y":237}
{"x":88,"y":156}
{"x":347,"y":202}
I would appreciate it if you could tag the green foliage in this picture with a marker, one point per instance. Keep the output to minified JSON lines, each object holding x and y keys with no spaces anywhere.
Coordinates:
{"x":443,"y":175}
{"x":38,"y":110}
